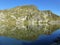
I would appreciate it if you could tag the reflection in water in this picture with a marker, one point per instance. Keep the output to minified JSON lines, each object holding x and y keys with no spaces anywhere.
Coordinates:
{"x":30,"y":32}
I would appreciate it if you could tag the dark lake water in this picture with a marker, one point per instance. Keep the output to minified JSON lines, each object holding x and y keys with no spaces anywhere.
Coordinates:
{"x":42,"y":40}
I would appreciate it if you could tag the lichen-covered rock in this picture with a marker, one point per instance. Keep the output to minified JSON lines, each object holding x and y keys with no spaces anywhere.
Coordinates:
{"x":25,"y":22}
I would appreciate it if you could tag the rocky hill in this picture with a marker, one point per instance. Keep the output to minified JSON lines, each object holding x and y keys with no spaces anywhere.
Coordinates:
{"x":22,"y":20}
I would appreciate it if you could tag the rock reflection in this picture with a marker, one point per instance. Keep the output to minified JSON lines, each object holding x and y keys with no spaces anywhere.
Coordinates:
{"x":30,"y":32}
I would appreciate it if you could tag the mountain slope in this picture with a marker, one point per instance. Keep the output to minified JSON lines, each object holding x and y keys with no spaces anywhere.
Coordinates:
{"x":23,"y":22}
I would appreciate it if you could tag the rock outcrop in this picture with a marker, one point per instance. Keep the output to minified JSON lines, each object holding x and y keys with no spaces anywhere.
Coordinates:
{"x":23,"y":22}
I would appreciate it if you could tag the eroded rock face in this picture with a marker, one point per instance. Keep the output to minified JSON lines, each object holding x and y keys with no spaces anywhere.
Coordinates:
{"x":24,"y":22}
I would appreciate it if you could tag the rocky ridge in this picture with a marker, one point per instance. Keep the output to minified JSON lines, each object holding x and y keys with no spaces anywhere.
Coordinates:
{"x":13,"y":22}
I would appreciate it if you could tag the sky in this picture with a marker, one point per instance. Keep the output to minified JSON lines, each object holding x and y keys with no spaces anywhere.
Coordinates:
{"x":53,"y":5}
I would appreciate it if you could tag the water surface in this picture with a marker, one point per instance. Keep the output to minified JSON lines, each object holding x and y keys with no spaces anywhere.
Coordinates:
{"x":46,"y":38}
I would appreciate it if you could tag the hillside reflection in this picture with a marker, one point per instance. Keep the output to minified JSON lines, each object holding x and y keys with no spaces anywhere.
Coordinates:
{"x":31,"y":32}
